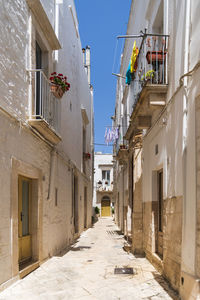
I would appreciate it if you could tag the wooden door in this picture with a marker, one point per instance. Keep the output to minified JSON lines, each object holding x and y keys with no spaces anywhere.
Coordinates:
{"x":85,"y":207}
{"x":160,"y":214}
{"x":105,"y":208}
{"x":24,"y":203}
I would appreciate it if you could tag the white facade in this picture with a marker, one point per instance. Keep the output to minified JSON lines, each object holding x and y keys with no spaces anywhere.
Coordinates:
{"x":45,"y":145}
{"x":167,"y":144}
{"x":103,"y":178}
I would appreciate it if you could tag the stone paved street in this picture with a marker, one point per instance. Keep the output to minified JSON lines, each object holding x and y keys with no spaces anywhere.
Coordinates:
{"x":87,"y":272}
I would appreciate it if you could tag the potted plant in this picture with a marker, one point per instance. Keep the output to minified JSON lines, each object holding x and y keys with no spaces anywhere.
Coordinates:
{"x":148,"y":76}
{"x":156,"y":56}
{"x":97,"y":211}
{"x":59,"y":84}
{"x":122,"y":146}
{"x":113,"y":211}
{"x":86,"y":155}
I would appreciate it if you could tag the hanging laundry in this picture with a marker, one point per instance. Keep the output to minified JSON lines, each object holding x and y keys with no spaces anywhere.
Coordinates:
{"x":111,"y":135}
{"x":134,"y":55}
{"x":128,"y":74}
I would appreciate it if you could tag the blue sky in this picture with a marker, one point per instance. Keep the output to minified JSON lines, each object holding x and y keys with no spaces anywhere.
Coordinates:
{"x":99,"y":24}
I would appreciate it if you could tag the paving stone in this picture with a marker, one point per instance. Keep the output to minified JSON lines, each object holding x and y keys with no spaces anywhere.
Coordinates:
{"x":86,"y":271}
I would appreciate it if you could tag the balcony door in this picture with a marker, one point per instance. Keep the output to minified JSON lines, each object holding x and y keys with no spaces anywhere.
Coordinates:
{"x":38,"y":88}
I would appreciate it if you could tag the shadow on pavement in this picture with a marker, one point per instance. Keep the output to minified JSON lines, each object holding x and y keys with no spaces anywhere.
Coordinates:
{"x":79,"y":248}
{"x":166,"y":286}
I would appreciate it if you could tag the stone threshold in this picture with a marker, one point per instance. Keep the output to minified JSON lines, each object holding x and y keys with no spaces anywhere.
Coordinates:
{"x":28,"y":269}
{"x":156,"y":261}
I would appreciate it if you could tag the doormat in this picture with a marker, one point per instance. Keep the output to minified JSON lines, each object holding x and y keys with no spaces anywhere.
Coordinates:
{"x":123,"y":271}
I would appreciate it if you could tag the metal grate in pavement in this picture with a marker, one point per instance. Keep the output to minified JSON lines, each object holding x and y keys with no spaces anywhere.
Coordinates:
{"x":123,"y":271}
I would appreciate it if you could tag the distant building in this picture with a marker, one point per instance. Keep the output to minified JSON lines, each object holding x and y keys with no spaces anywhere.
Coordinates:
{"x":103,"y":183}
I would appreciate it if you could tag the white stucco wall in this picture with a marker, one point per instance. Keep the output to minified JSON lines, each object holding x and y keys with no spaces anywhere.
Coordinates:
{"x":179,"y":165}
{"x":17,"y":139}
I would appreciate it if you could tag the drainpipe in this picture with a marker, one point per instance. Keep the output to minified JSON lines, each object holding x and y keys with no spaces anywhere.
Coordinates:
{"x":123,"y":218}
{"x":186,"y":69}
{"x":56,"y":25}
{"x":188,"y":239}
{"x":87,"y":62}
{"x":83,"y":51}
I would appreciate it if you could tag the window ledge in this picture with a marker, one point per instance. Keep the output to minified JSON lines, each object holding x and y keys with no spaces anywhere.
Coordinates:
{"x":42,"y":19}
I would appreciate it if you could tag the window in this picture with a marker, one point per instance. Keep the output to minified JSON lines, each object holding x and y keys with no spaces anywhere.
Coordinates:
{"x":106,"y":175}
{"x":84,"y":149}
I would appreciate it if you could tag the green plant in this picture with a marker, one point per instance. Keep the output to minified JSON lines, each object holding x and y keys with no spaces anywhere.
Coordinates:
{"x":60,"y":80}
{"x":149,"y":75}
{"x":97,"y":211}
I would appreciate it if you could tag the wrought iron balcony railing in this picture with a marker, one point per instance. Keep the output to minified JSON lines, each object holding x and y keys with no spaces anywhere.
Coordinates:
{"x":44,"y":106}
{"x":104,"y":186}
{"x":151,"y":66}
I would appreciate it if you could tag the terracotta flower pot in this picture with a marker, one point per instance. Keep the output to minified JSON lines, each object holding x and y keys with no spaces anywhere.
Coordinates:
{"x":57,"y":91}
{"x":156,"y":56}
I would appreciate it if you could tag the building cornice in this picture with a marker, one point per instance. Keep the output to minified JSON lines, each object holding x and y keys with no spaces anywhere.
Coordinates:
{"x":42,"y":19}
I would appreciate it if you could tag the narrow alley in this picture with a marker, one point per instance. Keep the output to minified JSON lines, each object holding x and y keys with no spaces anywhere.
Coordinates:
{"x":86,"y":271}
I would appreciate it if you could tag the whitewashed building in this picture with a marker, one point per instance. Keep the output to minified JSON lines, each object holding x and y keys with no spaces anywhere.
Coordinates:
{"x":45,"y":142}
{"x":158,"y":115}
{"x":103,"y":183}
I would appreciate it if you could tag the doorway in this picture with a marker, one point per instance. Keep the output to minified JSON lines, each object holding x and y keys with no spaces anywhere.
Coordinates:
{"x":105,"y":207}
{"x":85,"y":207}
{"x":75,"y":205}
{"x":24,"y":219}
{"x":160,"y":213}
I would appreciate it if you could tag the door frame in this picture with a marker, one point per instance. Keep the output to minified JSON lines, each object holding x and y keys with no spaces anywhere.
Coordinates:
{"x":20,"y":168}
{"x":85,"y":206}
{"x":105,"y":198}
{"x":159,"y":249}
{"x":24,"y":239}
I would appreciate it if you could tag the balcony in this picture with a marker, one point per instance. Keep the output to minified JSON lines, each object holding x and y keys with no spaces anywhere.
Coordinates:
{"x":122,"y":154}
{"x":149,"y":85}
{"x":44,"y":115}
{"x":104,"y":186}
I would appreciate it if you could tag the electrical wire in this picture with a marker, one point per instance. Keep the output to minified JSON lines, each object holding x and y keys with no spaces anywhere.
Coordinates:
{"x":96,"y":144}
{"x":115,"y":53}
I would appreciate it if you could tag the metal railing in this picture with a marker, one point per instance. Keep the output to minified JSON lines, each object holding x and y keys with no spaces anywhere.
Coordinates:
{"x":45,"y":105}
{"x":151,"y":65}
{"x":102,"y":187}
{"x":120,"y":143}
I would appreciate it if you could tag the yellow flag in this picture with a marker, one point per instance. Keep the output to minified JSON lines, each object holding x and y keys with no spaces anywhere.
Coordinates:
{"x":134,"y":57}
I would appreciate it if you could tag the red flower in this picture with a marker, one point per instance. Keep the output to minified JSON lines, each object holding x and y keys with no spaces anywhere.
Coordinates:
{"x":65,"y":78}
{"x":54,"y":73}
{"x":51,"y":78}
{"x":60,"y":74}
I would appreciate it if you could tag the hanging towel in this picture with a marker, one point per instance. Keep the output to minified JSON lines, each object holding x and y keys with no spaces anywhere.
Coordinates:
{"x":128,"y":74}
